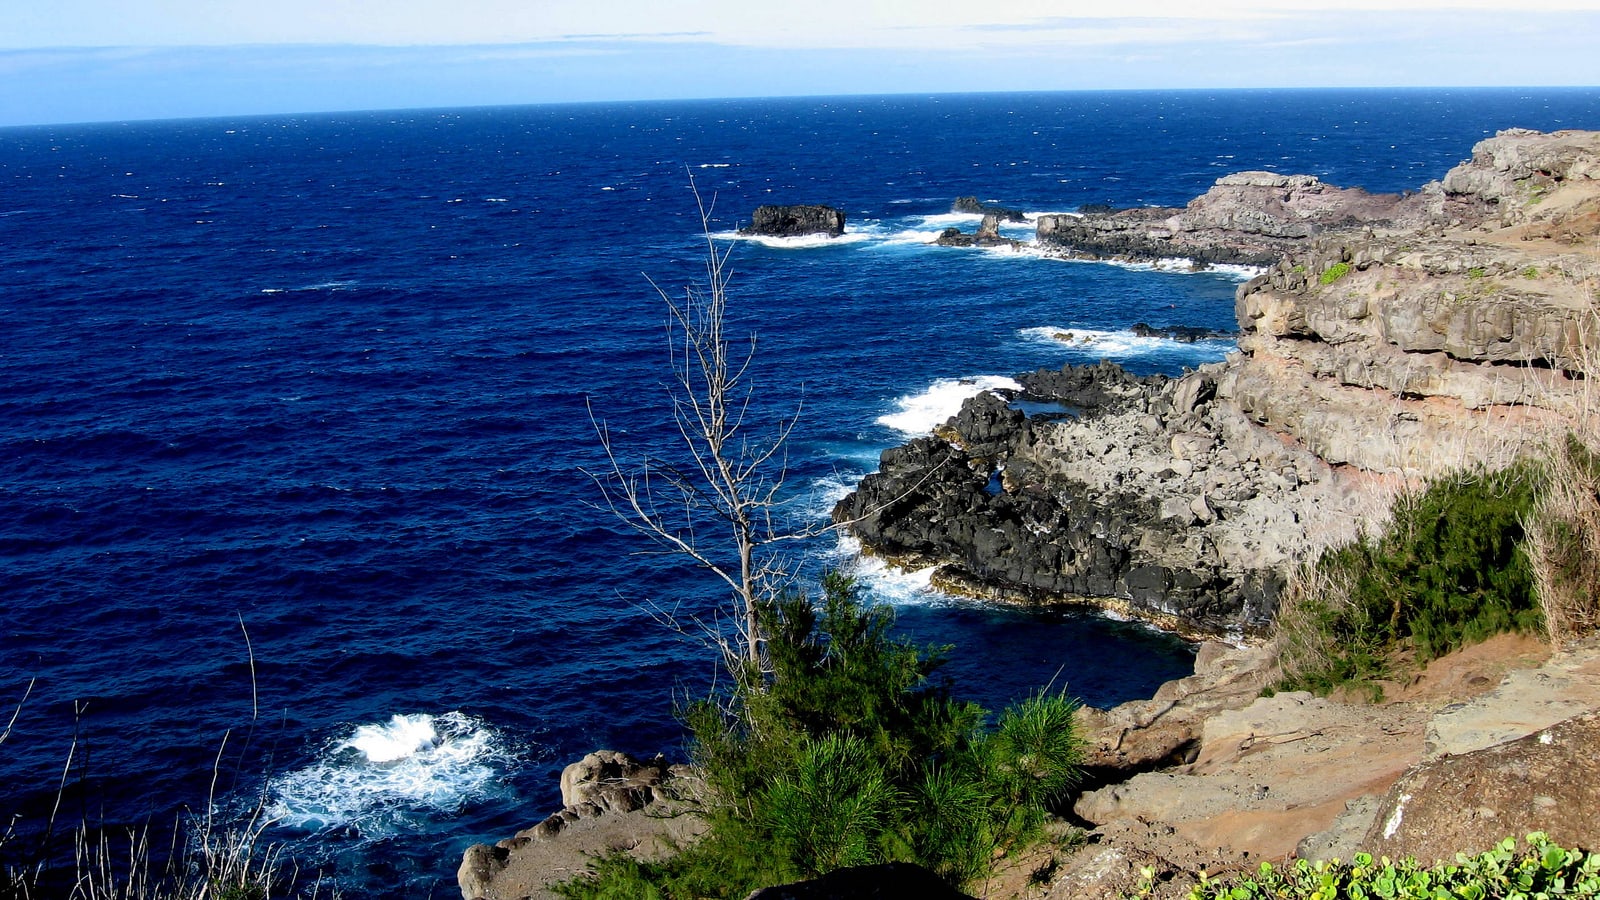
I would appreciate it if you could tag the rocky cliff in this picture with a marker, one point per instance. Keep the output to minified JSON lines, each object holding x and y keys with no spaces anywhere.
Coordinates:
{"x":1409,"y":351}
{"x":1393,"y":337}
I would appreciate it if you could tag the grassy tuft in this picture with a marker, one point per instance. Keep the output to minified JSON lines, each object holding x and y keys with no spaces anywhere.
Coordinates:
{"x":1564,"y":541}
{"x":1333,"y":273}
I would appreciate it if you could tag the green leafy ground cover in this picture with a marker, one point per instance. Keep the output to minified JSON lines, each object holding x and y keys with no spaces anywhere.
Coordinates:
{"x":1542,"y":870}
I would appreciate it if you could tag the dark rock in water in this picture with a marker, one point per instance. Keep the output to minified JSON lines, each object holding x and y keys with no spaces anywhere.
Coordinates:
{"x":795,"y":221}
{"x":976,"y":207}
{"x":1091,"y":390}
{"x":889,"y":881}
{"x":988,"y":235}
{"x":1186,"y":334}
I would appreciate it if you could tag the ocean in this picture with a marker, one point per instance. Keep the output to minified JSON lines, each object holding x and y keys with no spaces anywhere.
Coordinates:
{"x":296,"y":415}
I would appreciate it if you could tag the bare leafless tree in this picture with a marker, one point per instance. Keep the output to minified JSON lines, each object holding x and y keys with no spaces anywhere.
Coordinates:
{"x":722,"y":506}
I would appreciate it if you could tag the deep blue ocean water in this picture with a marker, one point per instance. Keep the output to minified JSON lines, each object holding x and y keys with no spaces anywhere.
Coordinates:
{"x":329,"y":378}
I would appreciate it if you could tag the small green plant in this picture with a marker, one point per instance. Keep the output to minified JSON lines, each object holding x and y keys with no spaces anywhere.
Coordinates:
{"x":1333,"y":273}
{"x":1530,"y":272}
{"x":1543,"y":870}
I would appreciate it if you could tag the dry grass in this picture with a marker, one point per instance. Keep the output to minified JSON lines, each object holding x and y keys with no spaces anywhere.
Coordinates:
{"x":1300,"y":645}
{"x":1564,"y":539}
{"x":1564,"y":527}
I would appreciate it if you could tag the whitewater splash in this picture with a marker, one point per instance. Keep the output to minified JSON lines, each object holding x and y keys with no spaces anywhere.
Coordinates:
{"x":885,"y":583}
{"x":1176,"y":265}
{"x":1126,"y":344}
{"x":382,"y":779}
{"x":801,"y":242}
{"x":919,"y":414}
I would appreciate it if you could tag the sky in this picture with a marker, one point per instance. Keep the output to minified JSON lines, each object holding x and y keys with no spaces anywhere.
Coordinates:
{"x":113,"y":60}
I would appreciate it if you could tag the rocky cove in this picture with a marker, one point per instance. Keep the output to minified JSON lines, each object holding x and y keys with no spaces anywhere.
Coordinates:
{"x":1390,"y":338}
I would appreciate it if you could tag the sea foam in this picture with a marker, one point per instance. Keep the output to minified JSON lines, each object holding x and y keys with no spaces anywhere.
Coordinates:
{"x":919,"y":414}
{"x":1122,"y":344}
{"x":801,"y":242}
{"x":883,"y":582}
{"x":376,"y":777}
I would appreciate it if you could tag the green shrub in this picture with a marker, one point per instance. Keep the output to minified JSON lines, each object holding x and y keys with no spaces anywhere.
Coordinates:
{"x":1333,"y":273}
{"x":1449,"y":570}
{"x":1544,"y":870}
{"x":844,"y":751}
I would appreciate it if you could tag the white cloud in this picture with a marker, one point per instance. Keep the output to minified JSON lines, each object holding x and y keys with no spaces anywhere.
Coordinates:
{"x":927,"y":24}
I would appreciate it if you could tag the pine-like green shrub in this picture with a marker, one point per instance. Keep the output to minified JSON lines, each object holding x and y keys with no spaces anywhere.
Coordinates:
{"x":846,"y":751}
{"x":1449,"y":570}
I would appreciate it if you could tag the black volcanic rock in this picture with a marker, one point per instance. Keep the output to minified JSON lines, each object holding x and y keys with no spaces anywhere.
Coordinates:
{"x":976,"y":207}
{"x":795,"y":221}
{"x":988,"y":501}
{"x":988,"y":235}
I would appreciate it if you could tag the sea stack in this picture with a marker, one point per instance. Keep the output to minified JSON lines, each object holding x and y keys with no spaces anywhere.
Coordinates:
{"x":795,"y":221}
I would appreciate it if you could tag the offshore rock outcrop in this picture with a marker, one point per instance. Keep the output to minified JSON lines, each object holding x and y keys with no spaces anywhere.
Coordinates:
{"x":795,"y":221}
{"x":976,"y":207}
{"x":1248,"y":218}
{"x":987,"y":235}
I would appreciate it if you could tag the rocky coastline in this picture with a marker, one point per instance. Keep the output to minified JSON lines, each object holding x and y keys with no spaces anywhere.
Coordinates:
{"x":1391,"y":338}
{"x":1368,"y":358}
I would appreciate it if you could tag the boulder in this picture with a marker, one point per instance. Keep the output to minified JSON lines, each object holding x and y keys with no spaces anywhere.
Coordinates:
{"x":612,"y":780}
{"x":795,"y":221}
{"x":1548,"y":781}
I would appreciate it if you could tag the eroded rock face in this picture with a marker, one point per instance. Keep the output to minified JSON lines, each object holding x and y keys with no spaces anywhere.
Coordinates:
{"x":1548,"y":781}
{"x":610,"y":802}
{"x":1411,"y":351}
{"x":1393,"y":337}
{"x":796,"y":221}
